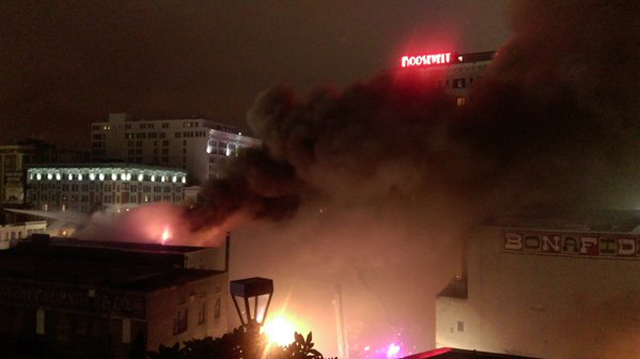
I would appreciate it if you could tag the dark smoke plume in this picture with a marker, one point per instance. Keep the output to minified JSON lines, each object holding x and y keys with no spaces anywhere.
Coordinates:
{"x":370,"y":183}
{"x":554,"y":121}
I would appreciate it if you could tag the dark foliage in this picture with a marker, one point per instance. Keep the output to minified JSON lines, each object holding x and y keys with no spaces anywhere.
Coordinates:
{"x":242,"y":343}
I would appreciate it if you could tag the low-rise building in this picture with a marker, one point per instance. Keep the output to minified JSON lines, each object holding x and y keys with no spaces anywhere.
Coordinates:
{"x":84,"y":299}
{"x":9,"y":233}
{"x":547,"y":286}
{"x":110,"y":187}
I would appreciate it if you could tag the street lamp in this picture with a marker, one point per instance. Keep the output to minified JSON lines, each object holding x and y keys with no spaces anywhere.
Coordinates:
{"x":255,"y":288}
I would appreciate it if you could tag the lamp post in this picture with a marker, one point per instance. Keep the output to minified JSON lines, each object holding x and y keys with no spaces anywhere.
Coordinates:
{"x":252,"y":288}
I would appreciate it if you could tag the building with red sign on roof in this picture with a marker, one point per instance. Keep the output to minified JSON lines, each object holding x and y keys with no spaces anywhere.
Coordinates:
{"x":454,"y":72}
{"x":551,"y":286}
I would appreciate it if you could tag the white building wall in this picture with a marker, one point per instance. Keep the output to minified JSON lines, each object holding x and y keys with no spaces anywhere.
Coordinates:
{"x":178,"y":143}
{"x":12,"y":232}
{"x":114,"y":188}
{"x":543,"y":305}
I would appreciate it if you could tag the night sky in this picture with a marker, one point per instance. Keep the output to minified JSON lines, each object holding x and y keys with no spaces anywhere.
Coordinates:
{"x":66,"y":64}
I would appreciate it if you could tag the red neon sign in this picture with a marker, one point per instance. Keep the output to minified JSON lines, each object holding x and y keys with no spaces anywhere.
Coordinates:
{"x":426,"y":60}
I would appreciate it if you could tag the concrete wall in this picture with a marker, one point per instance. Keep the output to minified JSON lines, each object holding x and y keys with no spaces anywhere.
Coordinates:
{"x":164,"y":306}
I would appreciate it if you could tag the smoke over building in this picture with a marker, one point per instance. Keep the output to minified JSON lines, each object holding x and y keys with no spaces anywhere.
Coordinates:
{"x":379,"y":181}
{"x":553,"y":113}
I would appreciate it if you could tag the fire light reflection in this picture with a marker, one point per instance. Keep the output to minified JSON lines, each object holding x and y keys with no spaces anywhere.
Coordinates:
{"x":279,"y":330}
{"x":166,"y":235}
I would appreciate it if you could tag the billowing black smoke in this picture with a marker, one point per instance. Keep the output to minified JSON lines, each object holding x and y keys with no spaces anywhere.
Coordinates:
{"x":377,"y":181}
{"x":554,"y":121}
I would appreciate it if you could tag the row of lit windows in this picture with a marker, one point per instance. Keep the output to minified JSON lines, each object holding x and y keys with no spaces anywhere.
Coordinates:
{"x":122,"y":176}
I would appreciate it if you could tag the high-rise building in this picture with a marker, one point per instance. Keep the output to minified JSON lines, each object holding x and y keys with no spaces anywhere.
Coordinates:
{"x":456,"y":73}
{"x":197,"y":145}
{"x":110,"y":187}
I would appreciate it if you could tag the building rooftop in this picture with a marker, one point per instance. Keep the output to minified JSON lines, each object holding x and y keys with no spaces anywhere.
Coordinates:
{"x":111,"y":164}
{"x":125,"y":246}
{"x":126,"y":266}
{"x":620,"y":221}
{"x":453,"y":353}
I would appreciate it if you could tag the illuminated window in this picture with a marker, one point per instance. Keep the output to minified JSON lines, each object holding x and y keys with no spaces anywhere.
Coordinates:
{"x":461,"y":101}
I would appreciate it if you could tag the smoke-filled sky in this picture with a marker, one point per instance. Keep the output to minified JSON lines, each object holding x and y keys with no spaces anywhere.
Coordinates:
{"x":372,"y":187}
{"x":369,"y":184}
{"x":64,"y":64}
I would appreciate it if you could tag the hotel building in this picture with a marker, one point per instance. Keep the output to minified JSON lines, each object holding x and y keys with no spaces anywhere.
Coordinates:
{"x":197,"y":145}
{"x":456,"y":73}
{"x":110,"y":187}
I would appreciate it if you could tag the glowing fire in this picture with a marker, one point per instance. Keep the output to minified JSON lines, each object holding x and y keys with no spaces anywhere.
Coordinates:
{"x":393,"y":350}
{"x":279,"y":331}
{"x":166,"y":235}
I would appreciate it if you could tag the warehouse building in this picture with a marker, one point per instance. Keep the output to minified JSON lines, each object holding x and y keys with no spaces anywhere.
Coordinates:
{"x":565,"y":287}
